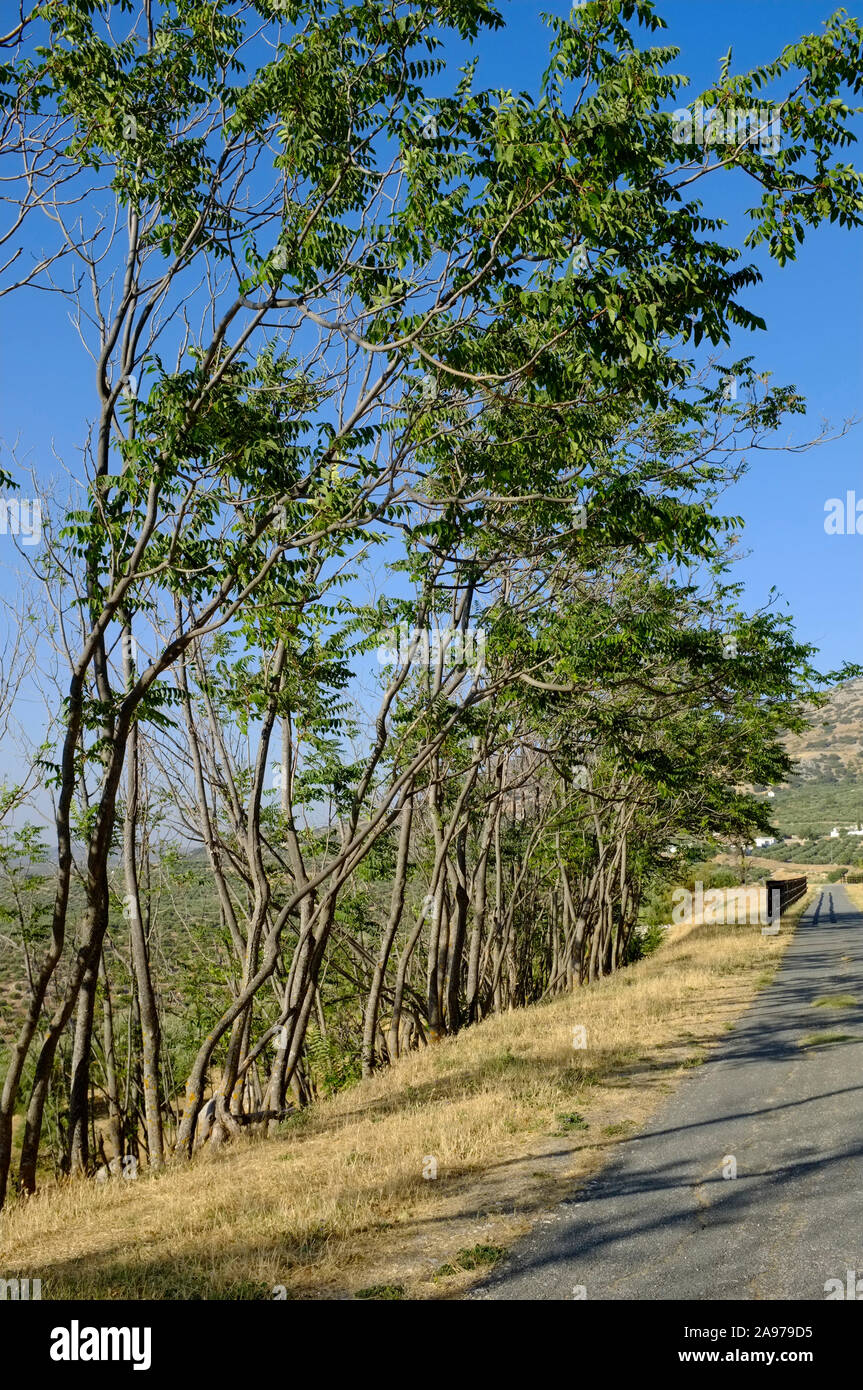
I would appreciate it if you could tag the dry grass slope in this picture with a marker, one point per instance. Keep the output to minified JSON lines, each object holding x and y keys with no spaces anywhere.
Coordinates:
{"x":338,"y":1205}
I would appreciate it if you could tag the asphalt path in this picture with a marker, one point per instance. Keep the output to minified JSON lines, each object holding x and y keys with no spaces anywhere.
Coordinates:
{"x":663,"y":1221}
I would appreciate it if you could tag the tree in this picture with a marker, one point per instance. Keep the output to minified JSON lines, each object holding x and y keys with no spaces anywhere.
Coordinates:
{"x":328,"y":310}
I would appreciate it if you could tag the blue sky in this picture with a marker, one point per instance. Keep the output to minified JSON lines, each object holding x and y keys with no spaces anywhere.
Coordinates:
{"x":814,"y":339}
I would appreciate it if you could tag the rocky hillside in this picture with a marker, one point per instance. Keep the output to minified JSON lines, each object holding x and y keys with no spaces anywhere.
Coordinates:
{"x":832,"y":750}
{"x":826,"y":792}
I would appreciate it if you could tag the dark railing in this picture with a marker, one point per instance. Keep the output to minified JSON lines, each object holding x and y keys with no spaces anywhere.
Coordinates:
{"x":781,"y":893}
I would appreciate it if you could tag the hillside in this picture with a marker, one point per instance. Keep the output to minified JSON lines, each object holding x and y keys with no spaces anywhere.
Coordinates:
{"x":831,"y":751}
{"x":412,"y":1183}
{"x":826,"y":791}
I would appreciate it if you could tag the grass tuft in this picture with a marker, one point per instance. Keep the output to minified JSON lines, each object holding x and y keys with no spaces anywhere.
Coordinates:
{"x":825,"y":1039}
{"x":567,"y":1124}
{"x":480,"y":1257}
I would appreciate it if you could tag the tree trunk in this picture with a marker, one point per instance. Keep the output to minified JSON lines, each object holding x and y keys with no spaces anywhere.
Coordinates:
{"x":397,"y":898}
{"x":147,"y":1005}
{"x":115,"y":1132}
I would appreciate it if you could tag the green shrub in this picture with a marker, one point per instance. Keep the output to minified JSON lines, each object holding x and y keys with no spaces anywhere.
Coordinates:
{"x":644,"y":941}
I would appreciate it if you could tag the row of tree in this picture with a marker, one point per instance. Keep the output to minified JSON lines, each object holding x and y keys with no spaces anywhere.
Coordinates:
{"x":370,"y":360}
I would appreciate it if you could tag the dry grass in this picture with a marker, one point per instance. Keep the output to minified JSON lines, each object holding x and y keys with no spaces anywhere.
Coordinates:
{"x":855,"y":893}
{"x":337,"y":1205}
{"x":779,"y":868}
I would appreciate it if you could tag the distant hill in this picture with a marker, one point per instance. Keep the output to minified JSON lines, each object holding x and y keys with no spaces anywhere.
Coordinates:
{"x":826,"y":790}
{"x":832,"y":750}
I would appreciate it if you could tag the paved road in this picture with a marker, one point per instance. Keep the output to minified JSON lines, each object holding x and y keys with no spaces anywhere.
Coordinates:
{"x":661,"y":1222}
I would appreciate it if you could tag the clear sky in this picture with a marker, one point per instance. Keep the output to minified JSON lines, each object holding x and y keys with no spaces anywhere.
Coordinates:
{"x":813,"y":308}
